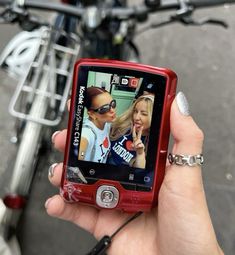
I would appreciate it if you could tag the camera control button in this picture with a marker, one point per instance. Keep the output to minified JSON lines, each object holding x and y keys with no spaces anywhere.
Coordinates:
{"x":107,"y":196}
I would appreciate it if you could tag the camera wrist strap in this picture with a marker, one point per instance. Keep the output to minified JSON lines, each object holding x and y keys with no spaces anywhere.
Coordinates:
{"x":105,"y":242}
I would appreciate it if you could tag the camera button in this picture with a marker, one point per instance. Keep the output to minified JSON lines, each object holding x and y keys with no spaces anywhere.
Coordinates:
{"x":107,"y":196}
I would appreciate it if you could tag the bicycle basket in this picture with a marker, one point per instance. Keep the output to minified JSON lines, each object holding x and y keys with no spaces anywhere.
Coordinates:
{"x":45,"y":85}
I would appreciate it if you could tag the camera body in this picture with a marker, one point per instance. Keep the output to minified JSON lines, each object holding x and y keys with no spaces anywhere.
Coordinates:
{"x":125,"y":129}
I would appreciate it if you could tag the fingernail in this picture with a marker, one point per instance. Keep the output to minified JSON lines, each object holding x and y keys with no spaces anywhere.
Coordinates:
{"x":48,"y":202}
{"x":183,"y":104}
{"x":54,"y":136}
{"x":68,"y":104}
{"x":51,"y":170}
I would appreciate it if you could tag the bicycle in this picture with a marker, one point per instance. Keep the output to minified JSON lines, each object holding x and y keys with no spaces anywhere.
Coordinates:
{"x":91,"y":41}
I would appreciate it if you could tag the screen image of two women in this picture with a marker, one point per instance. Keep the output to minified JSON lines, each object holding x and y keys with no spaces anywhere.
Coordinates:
{"x":108,"y":138}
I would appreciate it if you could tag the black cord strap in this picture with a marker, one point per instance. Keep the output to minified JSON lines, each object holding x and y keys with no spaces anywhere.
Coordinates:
{"x":101,"y":246}
{"x":105,"y":242}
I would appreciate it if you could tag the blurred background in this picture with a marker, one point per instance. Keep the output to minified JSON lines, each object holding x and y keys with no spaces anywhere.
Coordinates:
{"x":203,"y":57}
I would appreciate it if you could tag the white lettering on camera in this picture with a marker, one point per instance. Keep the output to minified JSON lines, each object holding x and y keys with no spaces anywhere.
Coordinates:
{"x":78,"y":116}
{"x":76,"y":138}
{"x":81,"y":95}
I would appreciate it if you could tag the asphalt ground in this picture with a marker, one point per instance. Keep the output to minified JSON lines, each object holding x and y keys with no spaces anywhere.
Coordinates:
{"x":203,"y":58}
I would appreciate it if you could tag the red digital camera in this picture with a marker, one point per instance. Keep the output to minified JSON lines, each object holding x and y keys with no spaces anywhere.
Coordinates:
{"x":118,"y":134}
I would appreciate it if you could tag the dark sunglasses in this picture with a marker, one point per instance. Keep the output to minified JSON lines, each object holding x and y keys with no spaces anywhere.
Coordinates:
{"x":106,"y":108}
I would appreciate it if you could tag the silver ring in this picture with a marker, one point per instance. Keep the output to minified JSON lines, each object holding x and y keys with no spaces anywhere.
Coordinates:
{"x":189,"y":160}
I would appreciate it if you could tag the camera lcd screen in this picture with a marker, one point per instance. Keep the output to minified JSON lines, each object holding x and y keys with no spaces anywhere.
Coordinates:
{"x":115,"y":127}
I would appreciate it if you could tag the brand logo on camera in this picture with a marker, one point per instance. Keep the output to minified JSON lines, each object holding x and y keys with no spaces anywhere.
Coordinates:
{"x":81,"y":95}
{"x":78,"y":116}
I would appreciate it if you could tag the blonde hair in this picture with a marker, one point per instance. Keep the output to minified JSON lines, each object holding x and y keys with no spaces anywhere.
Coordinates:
{"x":123,"y":123}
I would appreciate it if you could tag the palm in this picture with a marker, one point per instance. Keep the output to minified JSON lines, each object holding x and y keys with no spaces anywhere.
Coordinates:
{"x":133,"y":238}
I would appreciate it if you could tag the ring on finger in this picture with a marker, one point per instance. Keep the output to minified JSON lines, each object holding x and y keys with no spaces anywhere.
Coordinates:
{"x":189,"y":160}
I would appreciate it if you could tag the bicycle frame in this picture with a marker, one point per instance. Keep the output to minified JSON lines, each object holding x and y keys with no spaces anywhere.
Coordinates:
{"x":109,"y":39}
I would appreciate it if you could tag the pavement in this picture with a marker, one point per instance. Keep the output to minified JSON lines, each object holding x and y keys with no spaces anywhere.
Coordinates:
{"x":203,"y":58}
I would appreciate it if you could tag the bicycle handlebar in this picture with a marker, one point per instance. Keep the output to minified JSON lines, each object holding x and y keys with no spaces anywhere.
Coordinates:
{"x":5,"y":2}
{"x":123,"y":11}
{"x":207,"y":3}
{"x":117,"y":12}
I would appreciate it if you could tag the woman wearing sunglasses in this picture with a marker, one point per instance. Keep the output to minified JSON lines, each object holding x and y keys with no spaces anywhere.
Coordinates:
{"x":130,"y":132}
{"x":101,"y":110}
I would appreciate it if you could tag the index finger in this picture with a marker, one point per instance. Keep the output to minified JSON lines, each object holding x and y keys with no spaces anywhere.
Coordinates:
{"x":134,"y":132}
{"x":59,"y":140}
{"x":139,"y":134}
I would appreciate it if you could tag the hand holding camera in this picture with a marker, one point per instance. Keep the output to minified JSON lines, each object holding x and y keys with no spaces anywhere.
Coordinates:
{"x":180,"y":224}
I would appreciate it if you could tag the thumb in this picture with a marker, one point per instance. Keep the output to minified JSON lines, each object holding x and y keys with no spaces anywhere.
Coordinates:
{"x":188,"y":137}
{"x":188,"y":140}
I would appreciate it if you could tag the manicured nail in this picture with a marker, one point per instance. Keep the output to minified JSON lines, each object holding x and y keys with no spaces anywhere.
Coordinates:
{"x":54,"y":136}
{"x":48,"y":202}
{"x":182,"y":103}
{"x":51,"y":170}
